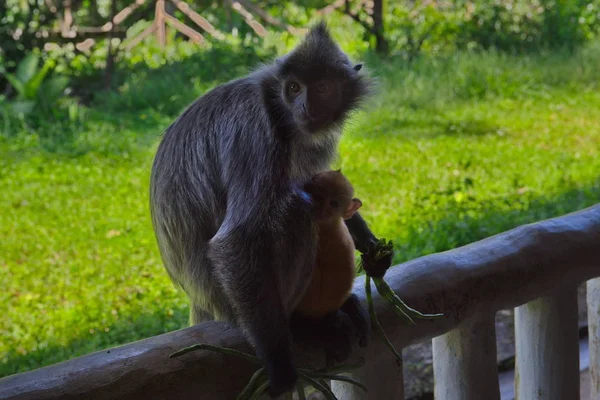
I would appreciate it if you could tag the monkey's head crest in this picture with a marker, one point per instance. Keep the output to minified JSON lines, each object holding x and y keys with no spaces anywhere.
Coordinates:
{"x":320,"y":85}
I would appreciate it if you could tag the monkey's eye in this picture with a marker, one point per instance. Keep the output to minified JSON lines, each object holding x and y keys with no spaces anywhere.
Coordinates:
{"x":334,"y":204}
{"x":294,"y":87}
{"x":322,"y":88}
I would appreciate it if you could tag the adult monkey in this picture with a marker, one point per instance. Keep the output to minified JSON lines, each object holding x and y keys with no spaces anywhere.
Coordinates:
{"x":231,"y":231}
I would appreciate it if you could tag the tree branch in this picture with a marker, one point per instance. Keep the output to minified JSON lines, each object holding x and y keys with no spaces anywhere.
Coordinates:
{"x":356,"y":18}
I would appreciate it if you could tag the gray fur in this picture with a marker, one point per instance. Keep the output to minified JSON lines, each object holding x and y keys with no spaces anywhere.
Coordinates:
{"x":231,"y":232}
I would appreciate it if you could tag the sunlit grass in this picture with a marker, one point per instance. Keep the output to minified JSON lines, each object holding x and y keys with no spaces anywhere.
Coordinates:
{"x":453,"y":151}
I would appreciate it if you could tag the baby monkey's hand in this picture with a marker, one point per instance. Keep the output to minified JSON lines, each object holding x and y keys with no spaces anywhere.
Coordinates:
{"x":378,"y":259}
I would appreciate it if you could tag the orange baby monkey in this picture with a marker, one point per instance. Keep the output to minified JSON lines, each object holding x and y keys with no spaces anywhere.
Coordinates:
{"x":333,"y":202}
{"x":329,"y":291}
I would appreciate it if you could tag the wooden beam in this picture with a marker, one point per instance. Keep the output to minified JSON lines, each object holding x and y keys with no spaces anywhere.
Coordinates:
{"x":249,"y":18}
{"x":67,"y":18}
{"x":141,"y":36}
{"x":500,"y":272}
{"x":265,"y":16}
{"x":159,"y":20}
{"x":330,"y":8}
{"x":198,"y":19}
{"x":194,"y":36}
{"x":80,"y":34}
{"x":85,"y":45}
{"x":127,"y":11}
{"x":51,"y":6}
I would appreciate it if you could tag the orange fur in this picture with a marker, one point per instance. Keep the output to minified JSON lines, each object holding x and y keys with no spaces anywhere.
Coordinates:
{"x":334,"y":271}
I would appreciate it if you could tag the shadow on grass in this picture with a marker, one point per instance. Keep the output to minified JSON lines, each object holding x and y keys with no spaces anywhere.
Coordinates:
{"x":462,"y":225}
{"x":412,"y":125}
{"x":128,"y":329}
{"x":454,"y":228}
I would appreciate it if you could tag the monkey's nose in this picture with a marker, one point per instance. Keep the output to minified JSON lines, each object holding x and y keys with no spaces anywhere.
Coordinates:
{"x":306,"y":114}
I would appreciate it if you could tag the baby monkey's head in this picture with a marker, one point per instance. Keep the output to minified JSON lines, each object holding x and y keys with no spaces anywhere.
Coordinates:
{"x":332,"y":196}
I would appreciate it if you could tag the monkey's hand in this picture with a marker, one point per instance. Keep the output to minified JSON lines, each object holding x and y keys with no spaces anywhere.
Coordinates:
{"x":378,"y":258}
{"x":376,"y":254}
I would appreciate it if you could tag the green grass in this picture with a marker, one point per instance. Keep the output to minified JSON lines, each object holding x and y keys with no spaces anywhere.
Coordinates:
{"x":453,"y":151}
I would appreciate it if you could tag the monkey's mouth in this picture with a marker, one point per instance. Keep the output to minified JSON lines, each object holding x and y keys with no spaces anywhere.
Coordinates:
{"x":311,"y":125}
{"x":304,"y":118}
{"x":307,"y":125}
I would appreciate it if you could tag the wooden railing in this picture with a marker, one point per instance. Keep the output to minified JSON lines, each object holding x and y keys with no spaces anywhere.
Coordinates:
{"x":535,"y":268}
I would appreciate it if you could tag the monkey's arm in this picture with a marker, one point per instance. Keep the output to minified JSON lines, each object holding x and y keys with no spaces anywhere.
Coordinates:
{"x":361,"y":234}
{"x":365,"y":241}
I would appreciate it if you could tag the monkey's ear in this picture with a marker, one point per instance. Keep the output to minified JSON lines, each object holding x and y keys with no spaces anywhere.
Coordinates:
{"x":339,"y":171}
{"x":358,"y":67}
{"x":355,"y":204}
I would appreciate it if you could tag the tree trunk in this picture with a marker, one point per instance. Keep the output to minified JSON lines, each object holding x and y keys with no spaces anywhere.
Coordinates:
{"x":110,"y":57}
{"x":381,"y":44}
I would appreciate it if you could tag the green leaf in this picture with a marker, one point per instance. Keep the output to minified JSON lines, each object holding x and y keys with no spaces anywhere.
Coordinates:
{"x":32,"y":86}
{"x":73,"y":111}
{"x":27,"y":67}
{"x":53,"y":88}
{"x":22,"y":107}
{"x":4,"y":111}
{"x":16,"y":84}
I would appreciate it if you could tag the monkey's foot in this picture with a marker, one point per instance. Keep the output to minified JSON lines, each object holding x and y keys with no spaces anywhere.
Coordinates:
{"x":259,"y":382}
{"x":359,"y":317}
{"x":328,"y":331}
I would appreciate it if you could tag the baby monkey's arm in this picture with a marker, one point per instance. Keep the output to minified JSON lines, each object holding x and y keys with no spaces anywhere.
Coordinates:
{"x":365,"y":242}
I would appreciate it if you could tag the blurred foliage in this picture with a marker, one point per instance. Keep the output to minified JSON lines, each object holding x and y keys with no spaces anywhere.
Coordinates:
{"x":19,"y":22}
{"x":68,"y":77}
{"x":37,"y":97}
{"x":513,"y":25}
{"x":411,"y":28}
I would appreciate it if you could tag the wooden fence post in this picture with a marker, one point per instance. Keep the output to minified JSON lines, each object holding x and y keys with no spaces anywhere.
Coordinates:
{"x":464,"y":361}
{"x":593,"y":307}
{"x":381,"y":373}
{"x":547,"y":347}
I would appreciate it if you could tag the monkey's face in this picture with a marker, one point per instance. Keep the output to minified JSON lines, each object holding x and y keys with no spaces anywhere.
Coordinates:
{"x":332,"y":196}
{"x":319,"y":83}
{"x":334,"y":207}
{"x":314,"y":104}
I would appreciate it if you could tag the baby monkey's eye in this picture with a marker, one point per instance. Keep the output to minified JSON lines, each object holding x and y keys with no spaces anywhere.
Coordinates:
{"x":294,"y":87}
{"x":334,"y":204}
